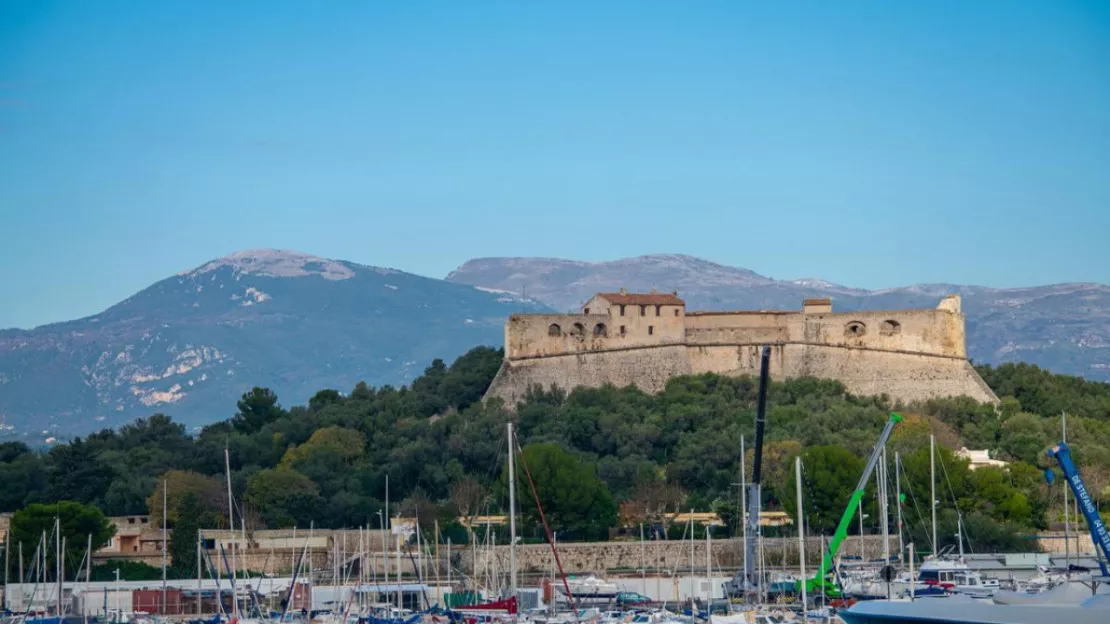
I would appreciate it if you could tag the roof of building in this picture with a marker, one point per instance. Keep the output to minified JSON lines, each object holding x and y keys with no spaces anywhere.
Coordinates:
{"x":626,"y":298}
{"x":817,"y":301}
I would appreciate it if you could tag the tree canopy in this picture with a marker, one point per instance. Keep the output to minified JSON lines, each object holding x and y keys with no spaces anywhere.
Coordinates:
{"x":78,"y":524}
{"x":646,"y":454}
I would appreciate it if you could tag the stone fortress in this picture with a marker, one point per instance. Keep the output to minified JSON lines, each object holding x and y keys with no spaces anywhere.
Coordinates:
{"x":644,"y":339}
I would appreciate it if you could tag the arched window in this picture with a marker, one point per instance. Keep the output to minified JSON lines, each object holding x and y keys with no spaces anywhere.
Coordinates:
{"x":855,"y":329}
{"x":600,"y":330}
{"x":579,"y":329}
{"x":554,"y":330}
{"x":890,"y":327}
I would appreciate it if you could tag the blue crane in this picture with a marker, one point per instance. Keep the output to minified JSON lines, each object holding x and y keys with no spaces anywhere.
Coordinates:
{"x":1099,"y":534}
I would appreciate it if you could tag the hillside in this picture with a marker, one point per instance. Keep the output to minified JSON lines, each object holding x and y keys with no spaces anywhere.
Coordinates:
{"x":190,"y":344}
{"x":1062,"y":327}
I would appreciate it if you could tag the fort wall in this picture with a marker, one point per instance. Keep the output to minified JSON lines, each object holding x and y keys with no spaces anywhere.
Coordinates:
{"x":621,"y":339}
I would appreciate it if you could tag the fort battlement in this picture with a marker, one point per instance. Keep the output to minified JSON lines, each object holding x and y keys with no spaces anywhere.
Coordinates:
{"x":644,"y":339}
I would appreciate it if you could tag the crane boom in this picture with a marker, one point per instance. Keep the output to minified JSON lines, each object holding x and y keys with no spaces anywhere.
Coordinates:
{"x":1099,"y":534}
{"x":819,"y":581}
{"x":751,"y":582}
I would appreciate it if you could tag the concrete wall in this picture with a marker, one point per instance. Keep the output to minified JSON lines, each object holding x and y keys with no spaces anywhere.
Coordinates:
{"x":663,"y":556}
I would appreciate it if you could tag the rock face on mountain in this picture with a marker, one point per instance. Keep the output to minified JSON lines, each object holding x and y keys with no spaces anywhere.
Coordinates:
{"x":1063,"y":327}
{"x":191,"y":344}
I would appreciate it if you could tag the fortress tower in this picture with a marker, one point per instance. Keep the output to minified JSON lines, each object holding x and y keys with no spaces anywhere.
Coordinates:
{"x":646,"y":338}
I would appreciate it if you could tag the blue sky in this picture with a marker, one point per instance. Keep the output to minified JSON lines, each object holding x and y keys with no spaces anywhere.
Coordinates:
{"x":872,"y":144}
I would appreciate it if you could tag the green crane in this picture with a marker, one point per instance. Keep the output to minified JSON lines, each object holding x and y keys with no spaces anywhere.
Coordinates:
{"x":822,"y":582}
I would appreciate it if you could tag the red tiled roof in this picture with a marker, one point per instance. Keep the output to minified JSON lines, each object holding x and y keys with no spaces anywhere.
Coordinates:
{"x":642,"y":298}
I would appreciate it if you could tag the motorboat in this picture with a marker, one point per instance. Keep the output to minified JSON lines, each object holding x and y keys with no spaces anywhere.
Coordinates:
{"x":965,"y":610}
{"x":591,"y":586}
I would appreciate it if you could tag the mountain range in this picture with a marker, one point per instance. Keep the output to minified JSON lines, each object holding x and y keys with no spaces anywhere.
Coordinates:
{"x":190,"y":344}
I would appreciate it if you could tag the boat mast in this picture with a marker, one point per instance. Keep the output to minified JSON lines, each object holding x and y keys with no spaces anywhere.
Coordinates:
{"x":385,"y":545}
{"x":743,"y":501}
{"x":311,"y":530}
{"x":898,"y":501}
{"x":512,"y":517}
{"x":231,"y":524}
{"x":692,"y":593}
{"x":643,"y":562}
{"x":164,"y":485}
{"x":933,"y":486}
{"x":88,"y":577}
{"x":801,"y":535}
{"x":58,"y":563}
{"x":708,"y":568}
{"x":7,"y":565}
{"x":200,"y":544}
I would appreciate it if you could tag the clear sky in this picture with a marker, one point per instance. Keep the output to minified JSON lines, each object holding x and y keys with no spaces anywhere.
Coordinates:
{"x":872,"y":143}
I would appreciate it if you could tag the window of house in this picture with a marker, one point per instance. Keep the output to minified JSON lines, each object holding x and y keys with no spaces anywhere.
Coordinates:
{"x":130,"y":521}
{"x":643,"y":310}
{"x":651,"y":330}
{"x":587,"y":310}
{"x":554,"y":330}
{"x":144,"y":520}
{"x":622,"y":310}
{"x":676,"y":311}
{"x":600,"y":330}
{"x":622,"y":330}
{"x":658,"y":309}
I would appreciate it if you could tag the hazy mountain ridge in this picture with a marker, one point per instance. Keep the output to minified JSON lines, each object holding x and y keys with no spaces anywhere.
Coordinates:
{"x":190,"y":344}
{"x":1063,"y":327}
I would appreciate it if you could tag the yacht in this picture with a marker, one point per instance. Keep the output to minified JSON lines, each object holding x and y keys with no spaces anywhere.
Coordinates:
{"x":963,"y":610}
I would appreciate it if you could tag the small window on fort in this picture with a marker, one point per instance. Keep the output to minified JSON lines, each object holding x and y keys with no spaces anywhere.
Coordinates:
{"x":643,"y":310}
{"x":676,"y":311}
{"x":651,"y":330}
{"x":890,"y":327}
{"x":554,"y":330}
{"x":586,"y":311}
{"x":579,"y":329}
{"x":622,"y":310}
{"x":855,"y":329}
{"x":622,"y":330}
{"x":658,"y":309}
{"x":600,"y":330}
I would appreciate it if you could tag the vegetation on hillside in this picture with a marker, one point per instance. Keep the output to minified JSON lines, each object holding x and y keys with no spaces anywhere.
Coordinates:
{"x":600,"y":458}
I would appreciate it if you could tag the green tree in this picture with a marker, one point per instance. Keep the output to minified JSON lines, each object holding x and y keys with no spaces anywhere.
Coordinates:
{"x":208,"y":492}
{"x":183,"y":539}
{"x":128,"y":571}
{"x":830,"y":475}
{"x":76,"y":473}
{"x":257,"y":408}
{"x":576,"y":502}
{"x":283,"y":497}
{"x":78,"y":522}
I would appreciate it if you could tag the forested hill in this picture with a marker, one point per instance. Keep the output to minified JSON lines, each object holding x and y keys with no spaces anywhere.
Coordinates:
{"x":590,"y":452}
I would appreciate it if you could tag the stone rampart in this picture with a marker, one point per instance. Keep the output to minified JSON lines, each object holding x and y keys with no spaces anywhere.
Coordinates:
{"x":908,"y":355}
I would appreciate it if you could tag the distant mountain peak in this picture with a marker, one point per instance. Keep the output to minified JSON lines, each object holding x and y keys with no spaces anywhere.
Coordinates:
{"x":276,"y":263}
